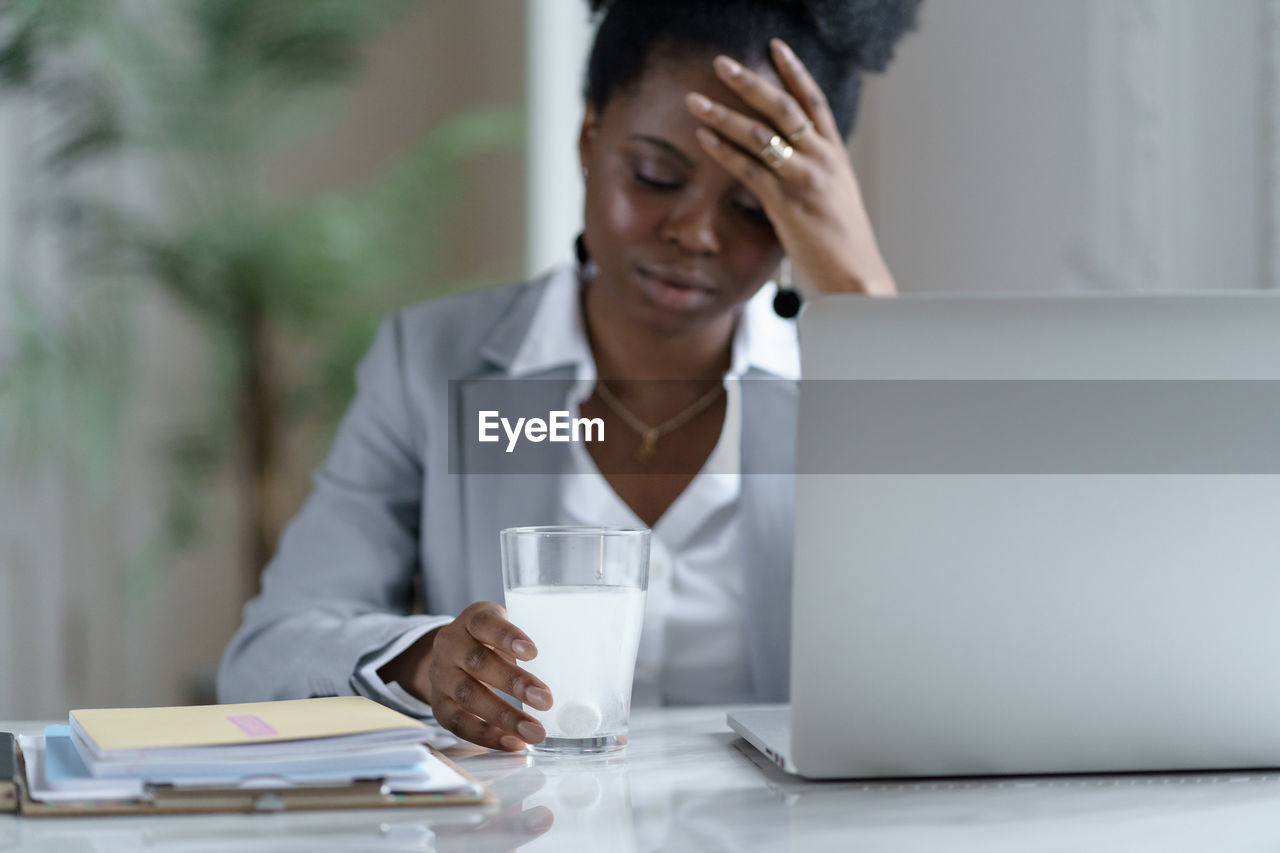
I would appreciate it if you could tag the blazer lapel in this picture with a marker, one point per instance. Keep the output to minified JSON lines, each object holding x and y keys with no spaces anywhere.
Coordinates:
{"x":505,"y":490}
{"x":494,"y":500}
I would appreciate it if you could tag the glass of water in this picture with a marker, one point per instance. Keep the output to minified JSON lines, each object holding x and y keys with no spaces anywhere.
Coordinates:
{"x":578,"y":592}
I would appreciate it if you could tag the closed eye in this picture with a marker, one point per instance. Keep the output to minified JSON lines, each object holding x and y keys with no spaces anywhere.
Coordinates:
{"x":751,"y":209}
{"x":654,"y":184}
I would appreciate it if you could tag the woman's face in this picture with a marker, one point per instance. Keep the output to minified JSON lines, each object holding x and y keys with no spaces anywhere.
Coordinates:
{"x":678,"y":242}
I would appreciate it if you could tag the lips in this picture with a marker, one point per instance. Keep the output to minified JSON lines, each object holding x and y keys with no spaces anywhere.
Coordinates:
{"x":674,"y":288}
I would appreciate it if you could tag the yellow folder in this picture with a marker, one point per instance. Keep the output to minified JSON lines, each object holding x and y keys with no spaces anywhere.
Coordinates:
{"x":253,"y":722}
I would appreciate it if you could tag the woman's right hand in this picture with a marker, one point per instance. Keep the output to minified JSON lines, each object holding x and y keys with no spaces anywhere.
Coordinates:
{"x":457,"y":668}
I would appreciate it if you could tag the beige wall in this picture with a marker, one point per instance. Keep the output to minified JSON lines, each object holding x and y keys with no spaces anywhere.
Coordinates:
{"x":69,"y":636}
{"x":443,"y":57}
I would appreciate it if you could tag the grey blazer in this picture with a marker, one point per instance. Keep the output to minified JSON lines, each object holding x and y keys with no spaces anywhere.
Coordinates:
{"x":385,"y":506}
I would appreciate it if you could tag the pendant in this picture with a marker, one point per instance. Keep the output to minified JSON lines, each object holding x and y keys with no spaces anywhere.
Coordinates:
{"x":648,"y":449}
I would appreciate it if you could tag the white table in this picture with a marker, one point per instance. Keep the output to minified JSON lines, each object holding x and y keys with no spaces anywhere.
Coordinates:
{"x":686,"y":782}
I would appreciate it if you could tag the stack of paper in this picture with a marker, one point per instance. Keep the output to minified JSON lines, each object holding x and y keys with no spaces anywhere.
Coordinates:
{"x":125,"y":753}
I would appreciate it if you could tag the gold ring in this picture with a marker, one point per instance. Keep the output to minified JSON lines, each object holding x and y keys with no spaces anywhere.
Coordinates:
{"x":801,"y":131}
{"x":776,"y":153}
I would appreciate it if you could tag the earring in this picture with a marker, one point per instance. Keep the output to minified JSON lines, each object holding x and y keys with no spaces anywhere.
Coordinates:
{"x":586,"y":266}
{"x":787,"y":301}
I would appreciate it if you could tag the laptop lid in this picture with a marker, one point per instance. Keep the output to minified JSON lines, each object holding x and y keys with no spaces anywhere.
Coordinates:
{"x":1037,"y":534}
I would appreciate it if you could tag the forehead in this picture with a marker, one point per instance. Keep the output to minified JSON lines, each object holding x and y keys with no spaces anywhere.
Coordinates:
{"x":656,"y":100}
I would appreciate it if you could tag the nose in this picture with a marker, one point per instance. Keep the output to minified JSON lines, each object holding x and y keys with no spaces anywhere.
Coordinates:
{"x":691,"y":226}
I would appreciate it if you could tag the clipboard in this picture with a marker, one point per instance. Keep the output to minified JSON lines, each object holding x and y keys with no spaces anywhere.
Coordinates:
{"x":166,"y":799}
{"x":8,"y":773}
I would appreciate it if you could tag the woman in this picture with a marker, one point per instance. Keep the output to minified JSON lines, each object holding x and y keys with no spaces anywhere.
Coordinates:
{"x":712,"y":146}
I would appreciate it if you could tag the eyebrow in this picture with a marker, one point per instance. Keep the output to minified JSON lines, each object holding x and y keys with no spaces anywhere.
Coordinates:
{"x":664,"y":145}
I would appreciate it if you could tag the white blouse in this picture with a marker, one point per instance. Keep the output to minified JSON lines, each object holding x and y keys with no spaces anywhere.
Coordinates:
{"x":694,"y":635}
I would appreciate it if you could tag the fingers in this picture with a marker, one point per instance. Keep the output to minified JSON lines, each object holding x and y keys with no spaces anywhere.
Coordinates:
{"x":749,"y":171}
{"x":466,"y":725}
{"x":496,"y":644}
{"x":807,"y":91}
{"x":487,"y":622}
{"x":472,"y":711}
{"x":472,"y":657}
{"x":778,"y":106}
{"x":749,"y":135}
{"x":485,"y":666}
{"x":755,"y":165}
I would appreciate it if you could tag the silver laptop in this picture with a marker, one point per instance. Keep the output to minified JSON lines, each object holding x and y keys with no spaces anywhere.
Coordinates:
{"x":1034,"y":535}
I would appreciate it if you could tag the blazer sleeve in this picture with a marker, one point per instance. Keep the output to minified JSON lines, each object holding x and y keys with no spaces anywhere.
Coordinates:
{"x":339,"y":588}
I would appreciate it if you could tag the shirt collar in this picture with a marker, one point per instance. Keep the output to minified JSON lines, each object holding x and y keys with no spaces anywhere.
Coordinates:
{"x":557,"y":337}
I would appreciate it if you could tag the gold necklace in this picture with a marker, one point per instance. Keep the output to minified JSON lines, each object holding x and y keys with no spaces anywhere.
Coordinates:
{"x":649,"y":435}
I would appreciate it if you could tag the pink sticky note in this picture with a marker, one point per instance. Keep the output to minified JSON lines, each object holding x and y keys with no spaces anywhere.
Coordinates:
{"x":253,"y":726}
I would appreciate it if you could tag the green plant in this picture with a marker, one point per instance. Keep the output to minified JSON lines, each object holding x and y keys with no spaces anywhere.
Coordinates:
{"x":191,"y":100}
